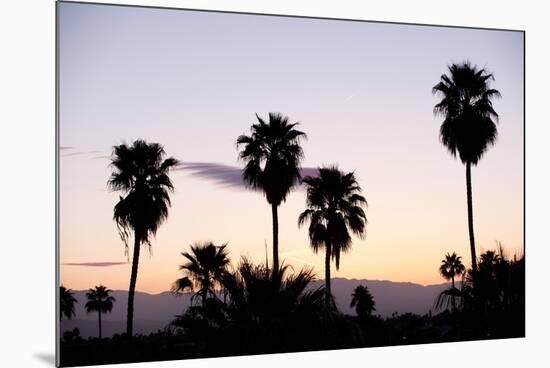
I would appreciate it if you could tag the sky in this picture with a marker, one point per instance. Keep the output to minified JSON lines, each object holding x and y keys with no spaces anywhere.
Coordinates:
{"x":193,"y":81}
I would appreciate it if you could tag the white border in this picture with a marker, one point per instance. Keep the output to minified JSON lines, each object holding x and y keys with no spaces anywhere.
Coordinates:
{"x":27,"y":181}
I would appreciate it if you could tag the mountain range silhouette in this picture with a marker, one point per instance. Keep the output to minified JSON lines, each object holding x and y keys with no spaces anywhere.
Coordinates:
{"x":154,"y":311}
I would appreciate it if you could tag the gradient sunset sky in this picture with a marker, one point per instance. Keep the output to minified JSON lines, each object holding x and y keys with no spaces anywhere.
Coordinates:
{"x":193,"y":81}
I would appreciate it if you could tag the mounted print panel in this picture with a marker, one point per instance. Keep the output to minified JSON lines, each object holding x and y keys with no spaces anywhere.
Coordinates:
{"x":239,"y":184}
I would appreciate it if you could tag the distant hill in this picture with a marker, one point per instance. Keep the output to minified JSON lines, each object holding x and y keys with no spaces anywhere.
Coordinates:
{"x":154,"y":311}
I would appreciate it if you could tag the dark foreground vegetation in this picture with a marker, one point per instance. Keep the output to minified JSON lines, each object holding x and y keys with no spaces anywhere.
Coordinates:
{"x":259,"y":312}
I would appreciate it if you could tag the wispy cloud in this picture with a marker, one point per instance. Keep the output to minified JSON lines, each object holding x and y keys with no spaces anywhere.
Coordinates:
{"x":220,"y":174}
{"x":224,"y":175}
{"x":349,"y":98}
{"x":103,"y":157}
{"x":80,"y":153}
{"x":65,"y":148}
{"x":95,"y":264}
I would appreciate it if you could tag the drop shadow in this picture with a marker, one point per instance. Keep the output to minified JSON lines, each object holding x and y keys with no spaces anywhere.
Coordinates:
{"x":46,"y":358}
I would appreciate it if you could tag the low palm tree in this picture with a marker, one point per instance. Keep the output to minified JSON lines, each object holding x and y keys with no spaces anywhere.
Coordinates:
{"x":363,"y":301}
{"x":255,"y":293}
{"x":272,"y":155}
{"x":203,"y":272}
{"x":99,"y":301}
{"x":469,"y":125}
{"x":140,"y":172}
{"x":334,"y":209}
{"x":67,"y":302}
{"x":451,"y":267}
{"x":264,"y":311}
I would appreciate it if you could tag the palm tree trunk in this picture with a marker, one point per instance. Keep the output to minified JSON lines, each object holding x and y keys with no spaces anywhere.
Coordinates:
{"x":99,"y":313}
{"x":327,"y":274}
{"x":471,"y":217}
{"x":275,"y":239}
{"x":132,"y":289}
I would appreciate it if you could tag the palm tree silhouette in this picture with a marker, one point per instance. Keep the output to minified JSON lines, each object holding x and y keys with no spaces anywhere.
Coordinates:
{"x":99,"y":301}
{"x":451,"y":266}
{"x":363,"y":301}
{"x":257,"y":295}
{"x":66,"y":303}
{"x":264,"y":310}
{"x":272,"y":154}
{"x":469,"y":125}
{"x":141,"y":174}
{"x":205,"y":267}
{"x":334,"y":206}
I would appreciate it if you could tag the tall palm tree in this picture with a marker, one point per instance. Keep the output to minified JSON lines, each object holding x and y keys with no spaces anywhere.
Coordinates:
{"x":272,"y":153}
{"x":67,"y":301}
{"x":363,"y":301}
{"x":99,"y":301}
{"x":140,"y":172}
{"x":334,"y":208}
{"x":205,"y":267}
{"x":469,"y":125}
{"x":451,"y":266}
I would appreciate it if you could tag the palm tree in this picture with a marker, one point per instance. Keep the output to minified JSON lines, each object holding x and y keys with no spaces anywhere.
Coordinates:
{"x":141,"y":174}
{"x":272,"y":154}
{"x":99,"y":301}
{"x":469,"y":125}
{"x":334,"y":208}
{"x":205,"y":267}
{"x":256,"y":294}
{"x":451,"y":266}
{"x":264,"y":311}
{"x":66,"y":303}
{"x":363,"y":301}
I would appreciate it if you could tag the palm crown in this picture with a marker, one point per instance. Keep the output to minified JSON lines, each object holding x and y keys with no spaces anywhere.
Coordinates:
{"x":206,"y":265}
{"x":272,"y":153}
{"x":99,"y":300}
{"x":140,"y":172}
{"x":363,"y":301}
{"x":334,"y":207}
{"x":451,"y":266}
{"x":257,"y":294}
{"x":466,"y":104}
{"x":67,"y":302}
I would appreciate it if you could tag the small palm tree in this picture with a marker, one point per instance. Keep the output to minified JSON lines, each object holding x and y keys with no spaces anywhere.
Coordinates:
{"x":451,"y":266}
{"x":469,"y":125}
{"x":67,"y":302}
{"x":140,"y":172}
{"x":99,"y":301}
{"x":272,"y":154}
{"x":205,"y":267}
{"x":334,"y":208}
{"x":363,"y":301}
